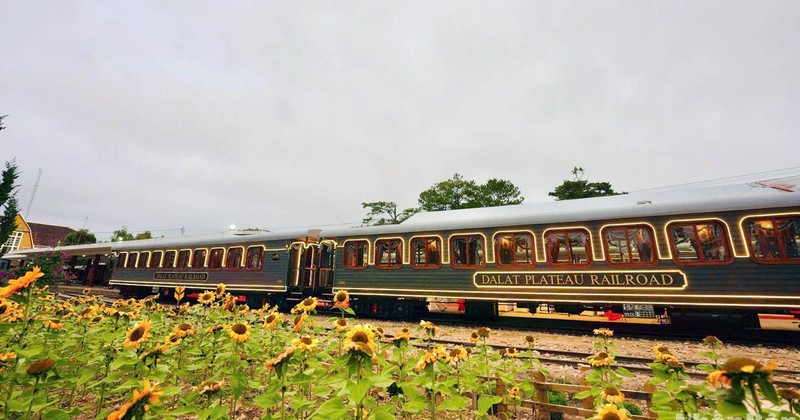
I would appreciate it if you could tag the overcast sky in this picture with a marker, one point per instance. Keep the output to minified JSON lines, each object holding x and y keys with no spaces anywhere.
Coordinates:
{"x":160,"y":115}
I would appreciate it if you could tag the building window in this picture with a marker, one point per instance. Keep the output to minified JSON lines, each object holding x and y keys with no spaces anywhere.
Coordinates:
{"x":169,"y":259}
{"x":466,"y":251}
{"x":568,"y":247}
{"x":143,"y":257}
{"x":199,"y":259}
{"x":131,"y":263}
{"x":255,"y":258}
{"x":183,"y":259}
{"x":155,"y":259}
{"x":514,"y":249}
{"x":389,"y":254}
{"x":774,"y":240}
{"x":699,"y":243}
{"x":13,"y":242}
{"x":215,"y":258}
{"x":355,"y":254}
{"x":234,"y":258}
{"x":629,"y":245}
{"x":426,"y":252}
{"x":121,"y":259}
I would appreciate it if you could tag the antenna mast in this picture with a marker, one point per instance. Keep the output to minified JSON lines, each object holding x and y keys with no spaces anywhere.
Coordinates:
{"x":33,"y":193}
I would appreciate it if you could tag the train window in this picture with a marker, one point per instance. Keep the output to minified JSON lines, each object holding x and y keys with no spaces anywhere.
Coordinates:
{"x":131,"y":260}
{"x":215,"y":258}
{"x":143,"y":257}
{"x":774,"y":240}
{"x":355,"y":254}
{"x":155,"y":259}
{"x":183,"y":259}
{"x":426,"y":252}
{"x":568,"y":247}
{"x":255,"y":258}
{"x":466,"y":251}
{"x":199,"y":258}
{"x":389,"y":254}
{"x":121,"y":258}
{"x":234,"y":261}
{"x":514,"y":249}
{"x":629,"y":245}
{"x":169,"y":259}
{"x":699,"y":243}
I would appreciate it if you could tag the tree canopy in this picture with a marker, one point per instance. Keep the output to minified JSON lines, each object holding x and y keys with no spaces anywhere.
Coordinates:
{"x":450,"y":194}
{"x":581,"y":188}
{"x":78,"y":237}
{"x":8,"y":202}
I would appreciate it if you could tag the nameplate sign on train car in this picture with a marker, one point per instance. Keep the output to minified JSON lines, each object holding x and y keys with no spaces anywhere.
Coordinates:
{"x":639,"y":279}
{"x":181,"y":276}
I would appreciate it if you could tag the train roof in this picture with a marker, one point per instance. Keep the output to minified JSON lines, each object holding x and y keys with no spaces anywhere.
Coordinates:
{"x":741,"y":194}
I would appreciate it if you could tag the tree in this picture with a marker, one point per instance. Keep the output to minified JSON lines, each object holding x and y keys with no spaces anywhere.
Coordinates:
{"x":385,"y":213}
{"x":458,"y":193}
{"x":581,"y":188}
{"x":8,"y":202}
{"x":121,"y":235}
{"x":144,"y":235}
{"x":78,"y":237}
{"x":2,"y":127}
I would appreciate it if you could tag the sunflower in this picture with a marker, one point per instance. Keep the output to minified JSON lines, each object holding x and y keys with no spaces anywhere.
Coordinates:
{"x":138,"y":403}
{"x":429,"y":357}
{"x":511,"y":352}
{"x":179,"y":293}
{"x":299,"y":321}
{"x":184,"y":329}
{"x":662,"y":353}
{"x":403,"y":334}
{"x":712,"y":341}
{"x":17,"y":284}
{"x":514,"y":393}
{"x":220,"y":290}
{"x":138,"y":335}
{"x":530,"y":341}
{"x":603,"y":332}
{"x":612,"y":395}
{"x":341,"y":299}
{"x":173,"y":339}
{"x":214,"y":328}
{"x":156,"y":351}
{"x":305,"y":343}
{"x":474,"y":337}
{"x":276,"y":361}
{"x":47,"y":298}
{"x":306,"y":305}
{"x":7,"y":356}
{"x":239,"y":332}
{"x":340,"y":324}
{"x":272,"y":320}
{"x":483,"y":332}
{"x":718,"y":379}
{"x":86,"y":291}
{"x":210,"y":387}
{"x":456,"y":355}
{"x":611,"y":412}
{"x":206,"y":298}
{"x":379,"y":332}
{"x":789,"y":394}
{"x":7,"y":306}
{"x":40,"y":366}
{"x":601,"y":359}
{"x":360,"y":339}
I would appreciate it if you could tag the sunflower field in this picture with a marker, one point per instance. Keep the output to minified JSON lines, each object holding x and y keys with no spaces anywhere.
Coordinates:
{"x":215,"y":359}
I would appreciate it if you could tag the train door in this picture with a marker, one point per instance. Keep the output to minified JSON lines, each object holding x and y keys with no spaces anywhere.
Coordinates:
{"x":311,"y":267}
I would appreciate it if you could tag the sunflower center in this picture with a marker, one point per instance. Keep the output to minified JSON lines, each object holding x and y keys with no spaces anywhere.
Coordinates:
{"x":239,"y":328}
{"x":307,"y":341}
{"x":611,"y":391}
{"x":271,"y":318}
{"x":137,"y":334}
{"x":3,"y":309}
{"x":611,"y":416}
{"x":308,"y":302}
{"x":184,"y":327}
{"x":360,"y":337}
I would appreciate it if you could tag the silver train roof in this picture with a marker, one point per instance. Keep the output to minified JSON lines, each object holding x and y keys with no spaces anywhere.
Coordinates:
{"x":706,"y":197}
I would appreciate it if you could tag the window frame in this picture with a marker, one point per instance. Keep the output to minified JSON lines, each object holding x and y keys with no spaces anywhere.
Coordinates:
{"x":192,"y":262}
{"x":188,"y":259}
{"x":221,"y":258}
{"x":164,"y":259}
{"x":247,"y":260}
{"x":566,"y":231}
{"x":497,"y":259}
{"x":467,"y":236}
{"x":700,"y":261}
{"x":749,"y":244}
{"x":160,"y":258}
{"x":121,"y":262}
{"x":228,"y":258}
{"x":654,"y":241}
{"x":428,"y":266}
{"x":390,"y":266}
{"x":131,"y":264}
{"x":346,"y":254}
{"x":143,"y":265}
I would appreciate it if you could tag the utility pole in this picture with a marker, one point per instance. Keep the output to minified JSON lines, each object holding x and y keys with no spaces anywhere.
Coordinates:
{"x":33,"y":194}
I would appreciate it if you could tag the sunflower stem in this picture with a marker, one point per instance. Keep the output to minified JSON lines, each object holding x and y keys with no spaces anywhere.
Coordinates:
{"x":33,"y":397}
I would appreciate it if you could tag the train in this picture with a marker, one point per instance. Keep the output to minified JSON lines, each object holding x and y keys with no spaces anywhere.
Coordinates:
{"x":726,"y":248}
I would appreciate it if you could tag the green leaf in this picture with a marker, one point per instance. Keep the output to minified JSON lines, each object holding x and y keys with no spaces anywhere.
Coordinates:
{"x":732,"y":409}
{"x":57,"y":414}
{"x":485,"y":402}
{"x":380,"y":414}
{"x":382,"y":381}
{"x":454,"y":403}
{"x":331,"y":409}
{"x":621,"y":371}
{"x":416,"y":404}
{"x":359,"y":389}
{"x":584,"y":394}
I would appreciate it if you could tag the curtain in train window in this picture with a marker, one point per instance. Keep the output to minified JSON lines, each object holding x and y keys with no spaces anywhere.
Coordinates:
{"x":234,"y":258}
{"x":699,"y":242}
{"x":466,"y":251}
{"x":155,"y":259}
{"x":389,"y":253}
{"x":514,"y":248}
{"x":630,"y":245}
{"x":121,"y":258}
{"x":199,"y":258}
{"x":143,"y":260}
{"x":169,"y":259}
{"x":183,"y":259}
{"x":426,"y":252}
{"x":255,"y":258}
{"x":568,"y":247}
{"x":775,"y":239}
{"x":355,"y":254}
{"x":215,"y":258}
{"x":131,"y":260}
